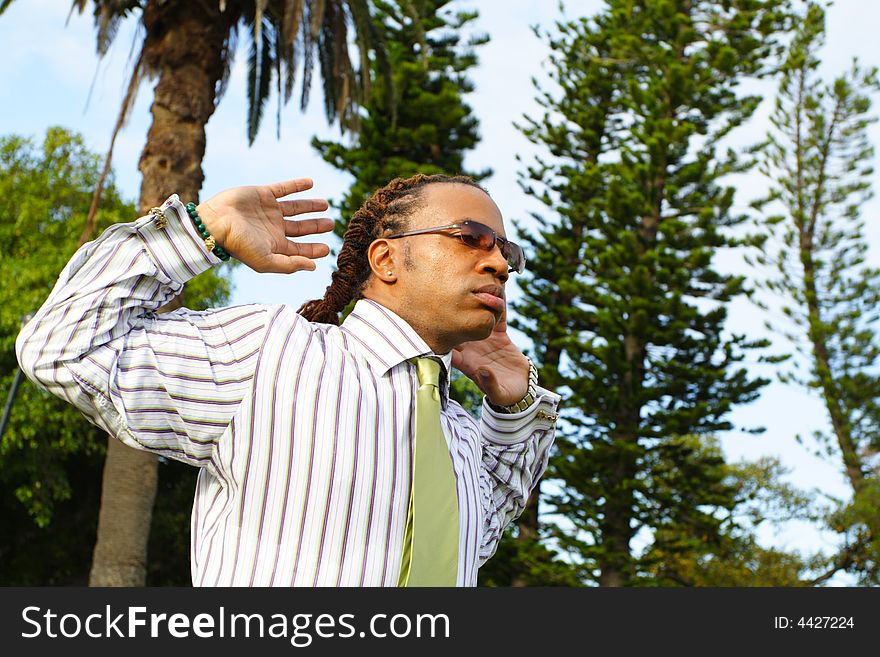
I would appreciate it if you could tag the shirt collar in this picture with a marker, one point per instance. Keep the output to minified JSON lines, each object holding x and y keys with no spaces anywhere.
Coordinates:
{"x":386,"y":339}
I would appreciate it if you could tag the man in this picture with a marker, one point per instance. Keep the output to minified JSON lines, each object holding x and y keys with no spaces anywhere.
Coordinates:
{"x":330,"y":455}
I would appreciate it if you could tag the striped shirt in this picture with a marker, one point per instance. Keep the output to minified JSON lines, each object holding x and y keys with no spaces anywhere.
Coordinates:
{"x":302,"y":431}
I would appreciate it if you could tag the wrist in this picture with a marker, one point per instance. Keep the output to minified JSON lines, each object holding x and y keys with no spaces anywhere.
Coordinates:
{"x":213,"y":221}
{"x":208,"y":234}
{"x":527,"y":400}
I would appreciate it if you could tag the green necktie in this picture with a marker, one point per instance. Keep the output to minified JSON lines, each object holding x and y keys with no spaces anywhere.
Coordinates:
{"x":430,"y":543}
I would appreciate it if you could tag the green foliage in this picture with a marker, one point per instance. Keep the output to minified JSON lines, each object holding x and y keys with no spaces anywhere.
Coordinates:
{"x":858,"y":523}
{"x":714,"y":542}
{"x":624,"y":306}
{"x":50,"y":456}
{"x":46,"y":191}
{"x":818,"y":159}
{"x":58,"y":553}
{"x":527,"y":562}
{"x":424,"y":126}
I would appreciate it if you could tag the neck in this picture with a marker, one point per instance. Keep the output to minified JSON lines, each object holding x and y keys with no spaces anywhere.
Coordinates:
{"x":438,"y":343}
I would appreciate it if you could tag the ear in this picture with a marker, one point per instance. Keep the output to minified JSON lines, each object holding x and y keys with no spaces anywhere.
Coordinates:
{"x":381,"y":254}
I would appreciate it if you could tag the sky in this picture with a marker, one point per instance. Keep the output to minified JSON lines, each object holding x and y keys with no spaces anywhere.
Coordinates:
{"x":50,"y":75}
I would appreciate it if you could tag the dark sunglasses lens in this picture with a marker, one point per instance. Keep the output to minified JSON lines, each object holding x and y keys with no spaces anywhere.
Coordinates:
{"x":477,"y":236}
{"x":515,"y":257}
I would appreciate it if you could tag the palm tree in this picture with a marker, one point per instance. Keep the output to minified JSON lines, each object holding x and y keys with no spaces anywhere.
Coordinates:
{"x":189,"y":47}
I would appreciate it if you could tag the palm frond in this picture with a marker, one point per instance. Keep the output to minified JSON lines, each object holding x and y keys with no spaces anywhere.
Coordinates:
{"x":336,"y":69}
{"x":379,"y":45}
{"x":134,"y":83}
{"x":108,"y":15}
{"x":259,"y":78}
{"x":279,"y":58}
{"x":309,"y":44}
{"x":327,"y":62}
{"x":230,"y":46}
{"x":364,"y":30}
{"x":316,"y":17}
{"x":107,"y":25}
{"x":292,"y":20}
{"x":259,"y":10}
{"x":79,"y":6}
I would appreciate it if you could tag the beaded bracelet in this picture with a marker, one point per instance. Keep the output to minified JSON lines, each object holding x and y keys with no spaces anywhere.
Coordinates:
{"x":210,"y":242}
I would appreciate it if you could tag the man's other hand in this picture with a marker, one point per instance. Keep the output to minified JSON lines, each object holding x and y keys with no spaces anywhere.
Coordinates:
{"x":252,"y":223}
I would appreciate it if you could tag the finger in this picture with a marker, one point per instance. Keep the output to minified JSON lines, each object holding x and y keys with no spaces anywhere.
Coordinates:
{"x":285,"y":187}
{"x":308,"y":227}
{"x":282,"y":264}
{"x":309,"y":250}
{"x":303,"y":205}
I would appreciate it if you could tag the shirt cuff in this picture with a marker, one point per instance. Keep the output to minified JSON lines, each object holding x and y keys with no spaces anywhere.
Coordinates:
{"x":512,"y":428}
{"x":173,"y":243}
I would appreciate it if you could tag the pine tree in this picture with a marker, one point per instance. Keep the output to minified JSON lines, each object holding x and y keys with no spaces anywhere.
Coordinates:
{"x":818,"y":158}
{"x":627,"y":313}
{"x":429,"y":128}
{"x":720,"y":546}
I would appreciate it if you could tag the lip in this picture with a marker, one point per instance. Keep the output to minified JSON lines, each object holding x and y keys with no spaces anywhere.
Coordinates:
{"x":491,"y":296}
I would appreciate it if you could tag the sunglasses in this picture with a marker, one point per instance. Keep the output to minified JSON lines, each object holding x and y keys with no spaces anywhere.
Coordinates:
{"x":477,"y":236}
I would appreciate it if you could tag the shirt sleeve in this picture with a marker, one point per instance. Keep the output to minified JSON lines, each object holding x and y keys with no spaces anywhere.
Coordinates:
{"x":515,"y":450}
{"x":167,"y":383}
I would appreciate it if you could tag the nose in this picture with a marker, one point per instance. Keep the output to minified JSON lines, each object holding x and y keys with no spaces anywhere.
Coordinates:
{"x":494,"y":263}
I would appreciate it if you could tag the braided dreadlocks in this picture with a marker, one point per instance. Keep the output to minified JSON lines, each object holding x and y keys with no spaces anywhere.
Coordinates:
{"x":387,"y":210}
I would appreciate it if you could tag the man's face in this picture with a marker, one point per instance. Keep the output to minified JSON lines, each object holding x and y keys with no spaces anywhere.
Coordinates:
{"x":449,"y":292}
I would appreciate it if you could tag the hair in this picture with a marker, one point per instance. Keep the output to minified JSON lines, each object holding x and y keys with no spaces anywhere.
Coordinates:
{"x":387,"y":209}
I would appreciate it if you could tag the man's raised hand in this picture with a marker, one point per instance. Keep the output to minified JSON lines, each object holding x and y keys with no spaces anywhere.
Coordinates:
{"x":495,"y":364}
{"x":250,"y":223}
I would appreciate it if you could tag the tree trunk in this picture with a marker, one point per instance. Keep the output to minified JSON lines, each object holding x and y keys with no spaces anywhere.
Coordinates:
{"x":816,"y":331}
{"x":184,"y":44}
{"x":529,"y":522}
{"x":827,"y":378}
{"x":616,"y":562}
{"x":127,"y":493}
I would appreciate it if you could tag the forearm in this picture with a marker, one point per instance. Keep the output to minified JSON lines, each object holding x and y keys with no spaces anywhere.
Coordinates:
{"x":110,"y":286}
{"x":515,"y":451}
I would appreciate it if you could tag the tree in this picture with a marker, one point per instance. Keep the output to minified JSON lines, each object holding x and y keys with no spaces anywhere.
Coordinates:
{"x":818,"y":158}
{"x":717,"y":544}
{"x":422,"y":124}
{"x":626,"y":312}
{"x":51,"y":456}
{"x":189,"y":47}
